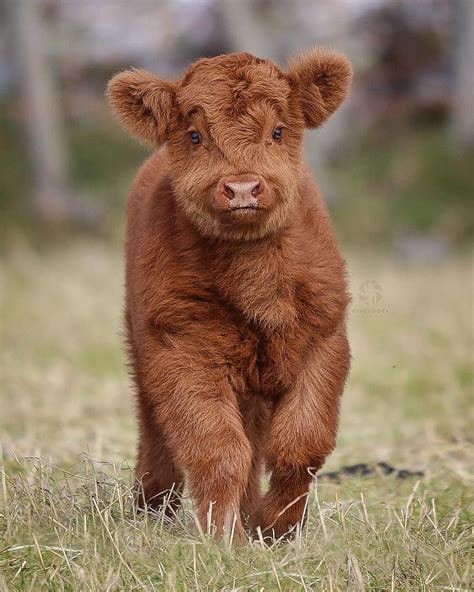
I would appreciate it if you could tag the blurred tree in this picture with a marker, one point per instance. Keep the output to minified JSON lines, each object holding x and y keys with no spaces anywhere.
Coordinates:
{"x":52,"y":196}
{"x":41,"y":113}
{"x":463,"y":112}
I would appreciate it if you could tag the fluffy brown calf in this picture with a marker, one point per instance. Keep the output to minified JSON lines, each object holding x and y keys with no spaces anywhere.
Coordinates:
{"x":235,"y":288}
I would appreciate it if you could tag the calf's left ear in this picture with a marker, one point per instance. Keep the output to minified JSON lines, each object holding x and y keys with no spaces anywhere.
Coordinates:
{"x":321,"y":78}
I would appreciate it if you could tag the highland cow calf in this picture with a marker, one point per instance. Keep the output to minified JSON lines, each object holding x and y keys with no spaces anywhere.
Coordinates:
{"x":235,"y":289}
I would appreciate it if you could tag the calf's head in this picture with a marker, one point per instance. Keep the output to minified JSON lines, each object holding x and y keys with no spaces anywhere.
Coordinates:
{"x":233,"y":127}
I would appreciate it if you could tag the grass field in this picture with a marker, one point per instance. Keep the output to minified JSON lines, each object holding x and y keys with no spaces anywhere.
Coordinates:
{"x":68,"y":434}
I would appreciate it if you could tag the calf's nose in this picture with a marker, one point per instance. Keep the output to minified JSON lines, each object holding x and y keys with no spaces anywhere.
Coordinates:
{"x":242,"y":189}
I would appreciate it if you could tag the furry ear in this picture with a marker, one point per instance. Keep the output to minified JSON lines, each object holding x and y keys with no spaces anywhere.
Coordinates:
{"x":321,"y":78}
{"x":143,"y":104}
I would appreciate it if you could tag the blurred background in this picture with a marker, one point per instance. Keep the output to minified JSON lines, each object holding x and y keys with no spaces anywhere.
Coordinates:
{"x":395,"y":163}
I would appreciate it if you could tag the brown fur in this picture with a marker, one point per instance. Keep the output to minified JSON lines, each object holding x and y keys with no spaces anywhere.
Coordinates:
{"x":235,"y":318}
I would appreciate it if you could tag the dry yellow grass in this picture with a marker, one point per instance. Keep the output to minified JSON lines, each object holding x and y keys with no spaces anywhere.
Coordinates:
{"x":68,"y":432}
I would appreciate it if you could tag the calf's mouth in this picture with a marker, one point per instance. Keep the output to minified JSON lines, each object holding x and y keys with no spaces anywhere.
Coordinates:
{"x":244,"y":206}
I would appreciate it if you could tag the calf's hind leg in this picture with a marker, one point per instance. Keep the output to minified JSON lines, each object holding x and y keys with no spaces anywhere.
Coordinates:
{"x":255,"y":414}
{"x":160,"y":480}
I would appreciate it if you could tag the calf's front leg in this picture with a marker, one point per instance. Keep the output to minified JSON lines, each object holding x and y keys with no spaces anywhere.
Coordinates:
{"x":302,"y":433}
{"x":196,"y":408}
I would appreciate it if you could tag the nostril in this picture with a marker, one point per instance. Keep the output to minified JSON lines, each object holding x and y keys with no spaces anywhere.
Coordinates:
{"x":228,"y":191}
{"x":256,"y":189}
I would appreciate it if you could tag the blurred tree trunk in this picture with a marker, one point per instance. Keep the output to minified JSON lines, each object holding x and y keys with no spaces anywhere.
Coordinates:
{"x":246,"y":26}
{"x":42,"y":121}
{"x":463,"y":114}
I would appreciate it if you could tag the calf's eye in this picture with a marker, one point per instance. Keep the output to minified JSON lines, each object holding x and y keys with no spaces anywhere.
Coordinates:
{"x":195,"y":138}
{"x":277,"y":133}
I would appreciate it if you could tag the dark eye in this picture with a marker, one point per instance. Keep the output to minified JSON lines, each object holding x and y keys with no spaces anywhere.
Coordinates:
{"x":277,"y":133}
{"x":195,"y":138}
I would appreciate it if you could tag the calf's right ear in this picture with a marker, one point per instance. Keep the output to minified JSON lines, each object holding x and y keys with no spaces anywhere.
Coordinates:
{"x":143,"y":103}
